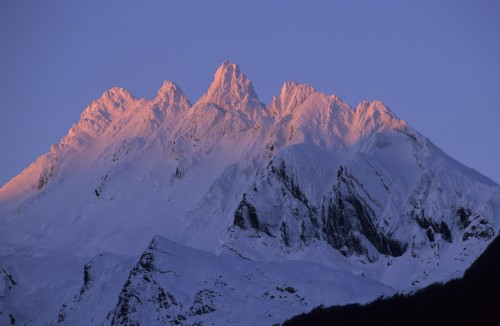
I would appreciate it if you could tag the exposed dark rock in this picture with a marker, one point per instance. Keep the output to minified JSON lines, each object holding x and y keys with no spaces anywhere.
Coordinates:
{"x":239,"y":220}
{"x":284,"y":234}
{"x":434,"y":227}
{"x":9,"y":279}
{"x":164,"y":300}
{"x":12,"y":319}
{"x":346,"y":214}
{"x":62,"y":314}
{"x":444,"y":230}
{"x":45,"y":177}
{"x":430,"y":234}
{"x":246,"y":212}
{"x":203,"y":302}
{"x":463,"y":217}
{"x":338,"y":230}
{"x":99,"y":189}
{"x":474,"y":225}
{"x":142,"y":292}
{"x":291,"y":186}
{"x":246,"y":217}
{"x":288,"y":289}
{"x":147,"y":262}
{"x":87,"y":278}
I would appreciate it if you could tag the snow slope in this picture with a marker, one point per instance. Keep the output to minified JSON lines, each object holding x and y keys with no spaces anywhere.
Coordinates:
{"x":306,"y":188}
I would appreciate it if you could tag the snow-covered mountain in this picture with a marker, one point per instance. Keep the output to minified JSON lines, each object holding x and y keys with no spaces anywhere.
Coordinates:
{"x":470,"y":300}
{"x":256,"y":212}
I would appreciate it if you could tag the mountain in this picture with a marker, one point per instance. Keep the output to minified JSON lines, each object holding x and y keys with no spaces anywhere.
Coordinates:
{"x":302,"y":202}
{"x":472,"y":299}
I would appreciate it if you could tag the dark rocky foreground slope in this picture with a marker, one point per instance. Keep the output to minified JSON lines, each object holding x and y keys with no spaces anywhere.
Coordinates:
{"x":471,"y":300}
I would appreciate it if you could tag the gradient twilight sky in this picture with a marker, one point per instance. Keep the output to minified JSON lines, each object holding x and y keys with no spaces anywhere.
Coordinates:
{"x":436,"y":64}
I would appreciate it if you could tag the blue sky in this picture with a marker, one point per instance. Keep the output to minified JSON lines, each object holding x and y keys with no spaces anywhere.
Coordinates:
{"x":436,"y":64}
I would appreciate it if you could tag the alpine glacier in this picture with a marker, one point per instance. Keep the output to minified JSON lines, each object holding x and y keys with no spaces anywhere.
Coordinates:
{"x":228,"y":211}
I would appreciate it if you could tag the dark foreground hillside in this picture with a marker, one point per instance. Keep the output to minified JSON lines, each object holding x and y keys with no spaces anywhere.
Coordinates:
{"x":471,"y":300}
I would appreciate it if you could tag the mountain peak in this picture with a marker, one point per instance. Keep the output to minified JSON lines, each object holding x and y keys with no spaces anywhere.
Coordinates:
{"x":228,"y":65}
{"x":292,"y":95}
{"x":117,"y":94}
{"x":168,"y":87}
{"x":374,"y":108}
{"x":170,"y":93}
{"x":374,"y":114}
{"x":230,"y":89}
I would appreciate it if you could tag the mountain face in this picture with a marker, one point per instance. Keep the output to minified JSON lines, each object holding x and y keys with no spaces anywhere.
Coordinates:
{"x":256,"y":212}
{"x":476,"y":296}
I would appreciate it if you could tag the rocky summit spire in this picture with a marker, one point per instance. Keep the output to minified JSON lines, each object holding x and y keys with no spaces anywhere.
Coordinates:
{"x":292,"y":95}
{"x":231,"y":89}
{"x":172,"y":95}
